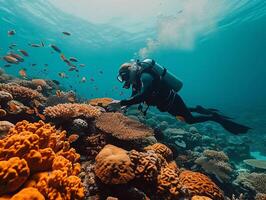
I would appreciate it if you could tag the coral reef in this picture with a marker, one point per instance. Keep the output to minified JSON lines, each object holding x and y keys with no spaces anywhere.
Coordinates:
{"x":5,"y":126}
{"x":214,"y":162}
{"x":260,"y":164}
{"x":195,"y":183}
{"x":68,"y":110}
{"x":29,"y":193}
{"x":102,"y":102}
{"x":122,"y":127}
{"x":162,"y":149}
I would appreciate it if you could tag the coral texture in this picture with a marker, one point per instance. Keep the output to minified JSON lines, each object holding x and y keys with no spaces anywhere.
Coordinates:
{"x":161,"y":149}
{"x":113,"y":166}
{"x":122,"y":127}
{"x":69,"y":110}
{"x":200,"y":198}
{"x":5,"y":126}
{"x":29,"y":193}
{"x":13,"y":173}
{"x":195,"y":183}
{"x":103,"y":102}
{"x":5,"y":96}
{"x":261,"y":164}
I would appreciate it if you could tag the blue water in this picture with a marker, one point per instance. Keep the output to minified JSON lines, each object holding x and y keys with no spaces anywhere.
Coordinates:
{"x":221,"y":60}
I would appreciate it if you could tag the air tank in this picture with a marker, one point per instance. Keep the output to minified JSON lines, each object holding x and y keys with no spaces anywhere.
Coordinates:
{"x":169,"y":78}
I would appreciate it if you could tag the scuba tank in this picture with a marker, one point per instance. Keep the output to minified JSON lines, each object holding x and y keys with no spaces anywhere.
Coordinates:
{"x":167,"y":77}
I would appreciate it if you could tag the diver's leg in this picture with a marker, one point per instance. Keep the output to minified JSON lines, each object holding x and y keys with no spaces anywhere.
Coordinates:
{"x":179,"y":108}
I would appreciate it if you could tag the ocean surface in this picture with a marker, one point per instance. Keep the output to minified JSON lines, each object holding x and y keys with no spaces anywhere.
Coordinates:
{"x":217,"y":48}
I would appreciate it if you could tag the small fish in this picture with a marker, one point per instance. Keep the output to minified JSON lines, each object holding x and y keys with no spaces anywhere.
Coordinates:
{"x":62,"y":56}
{"x":92,"y":79}
{"x":55,"y":48}
{"x":56,"y":82}
{"x":100,"y":72}
{"x":82,"y":65}
{"x":25,"y":53}
{"x":73,"y":68}
{"x":34,"y":45}
{"x":33,"y":64}
{"x":83,"y":79}
{"x":58,"y":93}
{"x":18,"y":57}
{"x":7,"y":65}
{"x":72,"y":59}
{"x":23,"y":73}
{"x":45,"y":65}
{"x":42,"y":43}
{"x":66,"y":33}
{"x":12,"y":46}
{"x":11,"y":32}
{"x":62,"y":74}
{"x":11,"y":59}
{"x":72,"y":138}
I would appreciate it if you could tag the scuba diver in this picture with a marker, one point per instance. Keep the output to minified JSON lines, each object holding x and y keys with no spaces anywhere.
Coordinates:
{"x":154,"y":85}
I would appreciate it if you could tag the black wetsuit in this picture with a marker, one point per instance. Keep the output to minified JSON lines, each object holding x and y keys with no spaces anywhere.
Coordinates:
{"x":155,"y":92}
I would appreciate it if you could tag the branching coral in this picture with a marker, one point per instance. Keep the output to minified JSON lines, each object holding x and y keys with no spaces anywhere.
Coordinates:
{"x":103,"y":102}
{"x":13,"y":173}
{"x":195,"y":183}
{"x":122,"y":127}
{"x":22,"y":93}
{"x":168,"y":186}
{"x":69,"y":110}
{"x":215,"y":162}
{"x":113,"y":166}
{"x":29,"y":193}
{"x":161,"y":149}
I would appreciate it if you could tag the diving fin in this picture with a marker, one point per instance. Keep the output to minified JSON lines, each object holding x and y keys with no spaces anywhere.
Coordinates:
{"x":231,"y":126}
{"x":209,"y":111}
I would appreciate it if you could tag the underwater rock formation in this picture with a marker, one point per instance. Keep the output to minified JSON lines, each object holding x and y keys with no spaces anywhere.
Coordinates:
{"x":215,"y":162}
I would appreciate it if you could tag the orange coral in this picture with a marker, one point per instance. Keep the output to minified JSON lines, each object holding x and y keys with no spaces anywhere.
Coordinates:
{"x":146,"y":165}
{"x":168,"y":186}
{"x":29,"y":193}
{"x":20,"y":92}
{"x":103,"y":102}
{"x":200,"y":198}
{"x":13,"y":173}
{"x":58,"y":186}
{"x":113,"y":166}
{"x":122,"y":127}
{"x":195,"y":183}
{"x":161,"y":149}
{"x":71,"y":110}
{"x":63,"y":164}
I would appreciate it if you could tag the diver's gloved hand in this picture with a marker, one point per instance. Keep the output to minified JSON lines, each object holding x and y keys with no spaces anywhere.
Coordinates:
{"x":114,"y":106}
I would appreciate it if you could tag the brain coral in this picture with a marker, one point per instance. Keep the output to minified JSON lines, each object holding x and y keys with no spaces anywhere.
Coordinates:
{"x":13,"y":173}
{"x":146,"y":165}
{"x":195,"y":183}
{"x":71,"y":110}
{"x":21,"y":93}
{"x":122,"y":127}
{"x":161,"y":149}
{"x":168,"y":186}
{"x":29,"y":193}
{"x":113,"y":166}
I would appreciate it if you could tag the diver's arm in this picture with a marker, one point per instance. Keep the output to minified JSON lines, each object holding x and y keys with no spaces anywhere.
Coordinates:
{"x":146,"y":90}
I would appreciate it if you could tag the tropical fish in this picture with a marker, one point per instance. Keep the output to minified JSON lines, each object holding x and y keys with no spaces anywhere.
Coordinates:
{"x":73,"y":68}
{"x":92,"y":79}
{"x":34,"y":45}
{"x":55,"y":48}
{"x":11,"y":59}
{"x":11,"y":32}
{"x":42,"y":44}
{"x":83,"y":79}
{"x":72,"y":59}
{"x":82,"y":65}
{"x":46,"y":65}
{"x":25,"y":53}
{"x":23,"y":73}
{"x":12,"y":46}
{"x":18,"y":57}
{"x":33,"y":64}
{"x":62,"y":74}
{"x":66,"y":33}
{"x":7,"y":65}
{"x":72,"y":138}
{"x":101,"y":72}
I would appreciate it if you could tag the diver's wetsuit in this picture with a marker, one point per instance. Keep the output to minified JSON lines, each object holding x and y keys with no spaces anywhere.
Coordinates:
{"x":155,"y":92}
{"x":161,"y":96}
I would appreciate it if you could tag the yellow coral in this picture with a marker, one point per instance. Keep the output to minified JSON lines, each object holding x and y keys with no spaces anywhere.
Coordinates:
{"x":71,"y":110}
{"x":113,"y":166}
{"x":195,"y":183}
{"x":29,"y":193}
{"x":200,"y":198}
{"x":13,"y":173}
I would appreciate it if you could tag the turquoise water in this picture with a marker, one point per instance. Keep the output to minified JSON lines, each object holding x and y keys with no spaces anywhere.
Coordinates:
{"x":219,"y":53}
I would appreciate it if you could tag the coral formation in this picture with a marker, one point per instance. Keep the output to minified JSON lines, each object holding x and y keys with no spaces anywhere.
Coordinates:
{"x":113,"y":166}
{"x":13,"y":173}
{"x":102,"y":102}
{"x":260,"y":164}
{"x":195,"y":183}
{"x":214,"y":162}
{"x":29,"y":193}
{"x":79,"y":125}
{"x":5,"y":96}
{"x":5,"y":126}
{"x":196,"y":197}
{"x":122,"y":127}
{"x":161,"y":149}
{"x":69,"y":110}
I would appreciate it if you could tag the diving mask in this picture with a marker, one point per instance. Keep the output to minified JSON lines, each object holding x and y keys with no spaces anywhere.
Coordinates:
{"x":124,"y":77}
